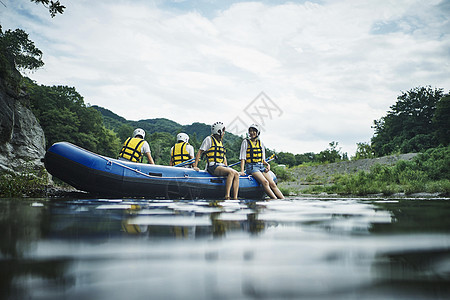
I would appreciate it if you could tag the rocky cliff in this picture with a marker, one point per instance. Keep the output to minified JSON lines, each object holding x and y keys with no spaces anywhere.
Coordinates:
{"x":22,"y":141}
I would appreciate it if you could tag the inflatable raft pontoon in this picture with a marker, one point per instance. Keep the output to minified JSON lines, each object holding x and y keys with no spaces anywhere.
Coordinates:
{"x":101,"y":175}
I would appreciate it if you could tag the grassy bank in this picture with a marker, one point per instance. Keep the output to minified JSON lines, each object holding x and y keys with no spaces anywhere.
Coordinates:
{"x":428,"y":172}
{"x":28,"y":182}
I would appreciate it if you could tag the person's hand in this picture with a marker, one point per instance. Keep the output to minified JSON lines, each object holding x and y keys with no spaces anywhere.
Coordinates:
{"x":242,"y":173}
{"x":267,"y":168}
{"x":196,"y":169}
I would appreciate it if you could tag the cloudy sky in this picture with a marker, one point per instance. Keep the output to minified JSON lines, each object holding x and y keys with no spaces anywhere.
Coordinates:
{"x":309,"y":72}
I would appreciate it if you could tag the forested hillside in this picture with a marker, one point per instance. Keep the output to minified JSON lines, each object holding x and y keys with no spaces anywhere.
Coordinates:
{"x":419,"y":120}
{"x":64,"y":116}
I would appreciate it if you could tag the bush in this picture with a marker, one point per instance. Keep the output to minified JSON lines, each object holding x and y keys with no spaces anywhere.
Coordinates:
{"x":441,"y":186}
{"x":27,"y":183}
{"x":428,"y":172}
{"x":283,"y":174}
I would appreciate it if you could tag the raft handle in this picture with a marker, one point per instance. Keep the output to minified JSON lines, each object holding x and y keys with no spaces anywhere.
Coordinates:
{"x":155,"y":174}
{"x":217,"y":180}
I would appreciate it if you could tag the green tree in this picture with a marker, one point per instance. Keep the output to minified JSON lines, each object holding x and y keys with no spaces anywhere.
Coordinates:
{"x":194,"y":141}
{"x":286,"y":158}
{"x":331,"y":154}
{"x":408,"y":126}
{"x":441,"y":120}
{"x":17,"y":52}
{"x":108,"y":143}
{"x":160,"y":144}
{"x":125,"y":131}
{"x":63,"y":115}
{"x":54,"y":7}
{"x":363,"y":150}
{"x":60,"y":125}
{"x":304,"y":158}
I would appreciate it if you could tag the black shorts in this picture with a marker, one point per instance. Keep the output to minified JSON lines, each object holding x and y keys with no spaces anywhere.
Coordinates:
{"x":212,"y":168}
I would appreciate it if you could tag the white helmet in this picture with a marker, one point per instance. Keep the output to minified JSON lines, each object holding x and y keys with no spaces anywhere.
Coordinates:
{"x":217,"y":128}
{"x":255,"y":126}
{"x":139,"y":131}
{"x":183,"y":137}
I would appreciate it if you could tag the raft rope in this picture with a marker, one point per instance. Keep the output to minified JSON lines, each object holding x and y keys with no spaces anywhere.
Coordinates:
{"x":153,"y":176}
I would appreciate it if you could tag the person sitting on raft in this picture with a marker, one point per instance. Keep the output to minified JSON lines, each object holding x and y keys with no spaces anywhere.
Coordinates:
{"x":253,"y":156}
{"x":135,"y":147}
{"x":181,"y":151}
{"x":216,"y":165}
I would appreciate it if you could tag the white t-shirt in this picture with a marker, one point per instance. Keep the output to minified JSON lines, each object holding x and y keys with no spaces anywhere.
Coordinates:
{"x":244,"y":146}
{"x":145,"y":148}
{"x":206,"y":144}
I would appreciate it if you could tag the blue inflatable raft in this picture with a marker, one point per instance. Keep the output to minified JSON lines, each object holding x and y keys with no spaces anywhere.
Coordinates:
{"x":101,"y":175}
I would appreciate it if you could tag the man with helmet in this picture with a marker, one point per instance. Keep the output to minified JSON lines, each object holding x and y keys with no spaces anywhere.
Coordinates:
{"x":253,"y":157}
{"x":212,"y":148}
{"x":181,"y":151}
{"x":135,"y":147}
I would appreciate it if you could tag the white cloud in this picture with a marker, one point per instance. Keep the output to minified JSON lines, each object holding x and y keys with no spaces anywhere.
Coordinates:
{"x":332,"y":66}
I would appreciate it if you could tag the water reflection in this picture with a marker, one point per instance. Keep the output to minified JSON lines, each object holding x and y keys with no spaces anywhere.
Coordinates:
{"x":160,"y":249}
{"x":153,"y":219}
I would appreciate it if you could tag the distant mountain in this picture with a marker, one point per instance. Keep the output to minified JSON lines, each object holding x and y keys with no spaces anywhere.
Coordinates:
{"x":109,"y":114}
{"x":114,"y":122}
{"x":197,"y":129}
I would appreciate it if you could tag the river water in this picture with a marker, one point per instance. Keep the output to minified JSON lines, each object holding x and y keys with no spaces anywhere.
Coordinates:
{"x":298,"y":248}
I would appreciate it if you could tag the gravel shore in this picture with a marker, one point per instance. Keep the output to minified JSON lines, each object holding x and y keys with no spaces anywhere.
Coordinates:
{"x":307,"y":176}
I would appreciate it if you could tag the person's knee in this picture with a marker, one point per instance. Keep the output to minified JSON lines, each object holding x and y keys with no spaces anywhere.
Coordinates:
{"x":230,"y":173}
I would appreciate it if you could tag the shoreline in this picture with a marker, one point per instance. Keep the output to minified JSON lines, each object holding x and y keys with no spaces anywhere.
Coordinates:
{"x":60,"y":192}
{"x":362,"y":177}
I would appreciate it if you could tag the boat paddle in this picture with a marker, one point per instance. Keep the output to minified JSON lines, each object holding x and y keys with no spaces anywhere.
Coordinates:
{"x":187,"y":162}
{"x":192,"y":160}
{"x":272,"y":157}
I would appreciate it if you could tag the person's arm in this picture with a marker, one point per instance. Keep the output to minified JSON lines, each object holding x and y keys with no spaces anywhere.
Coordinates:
{"x":150,"y":159}
{"x":191,"y":151}
{"x":197,"y":159}
{"x":242,"y":167}
{"x":242,"y":155}
{"x":267,"y":166}
{"x":206,"y":144}
{"x":264,"y":158}
{"x":171,"y":155}
{"x":146,"y":150}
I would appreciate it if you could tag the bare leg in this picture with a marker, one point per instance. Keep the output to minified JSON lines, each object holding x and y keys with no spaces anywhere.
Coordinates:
{"x":265,"y":183}
{"x":235,"y":185}
{"x":232,"y":178}
{"x":273,"y":186}
{"x":228,"y":184}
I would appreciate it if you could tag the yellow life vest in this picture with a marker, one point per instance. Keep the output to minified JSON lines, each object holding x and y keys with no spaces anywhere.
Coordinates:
{"x":180,"y":153}
{"x":131,"y":149}
{"x":254,"y":152}
{"x":217,"y":152}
